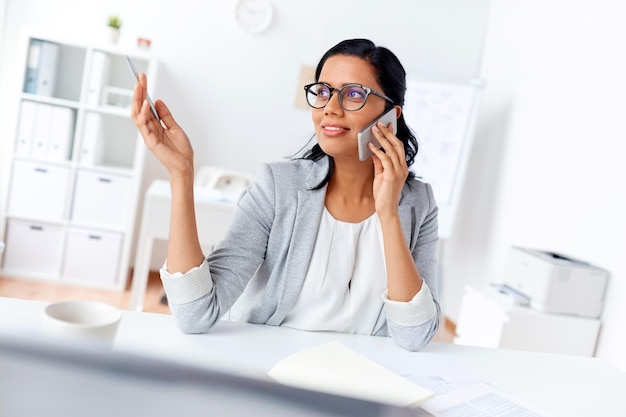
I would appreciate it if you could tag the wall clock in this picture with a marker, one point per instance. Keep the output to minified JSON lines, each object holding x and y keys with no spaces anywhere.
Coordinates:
{"x":253,"y":16}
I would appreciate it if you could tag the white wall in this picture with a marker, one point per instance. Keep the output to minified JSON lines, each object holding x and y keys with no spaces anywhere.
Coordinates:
{"x":548,"y":168}
{"x":3,"y":7}
{"x":544,"y":171}
{"x":234,"y":93}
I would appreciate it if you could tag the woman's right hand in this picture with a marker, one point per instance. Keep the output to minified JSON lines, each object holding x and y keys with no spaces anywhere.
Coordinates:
{"x":165,"y":139}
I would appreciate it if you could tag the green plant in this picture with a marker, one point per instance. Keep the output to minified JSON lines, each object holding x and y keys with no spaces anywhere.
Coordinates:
{"x":114,"y":22}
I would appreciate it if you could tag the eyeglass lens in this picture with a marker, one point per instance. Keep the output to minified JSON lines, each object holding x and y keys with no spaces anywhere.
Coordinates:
{"x":351,"y":97}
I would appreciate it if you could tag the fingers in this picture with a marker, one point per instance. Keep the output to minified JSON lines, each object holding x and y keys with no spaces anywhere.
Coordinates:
{"x":138,"y":98}
{"x":140,"y":95}
{"x":142,"y":113}
{"x":393,"y":147}
{"x":165,"y":115}
{"x":390,"y":169}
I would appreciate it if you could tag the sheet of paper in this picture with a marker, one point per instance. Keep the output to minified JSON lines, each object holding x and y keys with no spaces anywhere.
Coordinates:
{"x":438,"y":373}
{"x":479,"y":400}
{"x":458,"y":390}
{"x":334,"y":368}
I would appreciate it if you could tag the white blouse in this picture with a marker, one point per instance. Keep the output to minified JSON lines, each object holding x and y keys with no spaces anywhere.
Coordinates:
{"x":344,"y":287}
{"x":341,"y":291}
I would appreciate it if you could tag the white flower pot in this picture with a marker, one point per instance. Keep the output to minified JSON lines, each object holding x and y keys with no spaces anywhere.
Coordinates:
{"x":113,"y":34}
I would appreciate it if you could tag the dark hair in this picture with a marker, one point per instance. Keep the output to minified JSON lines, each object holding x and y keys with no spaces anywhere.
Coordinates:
{"x":391,"y":76}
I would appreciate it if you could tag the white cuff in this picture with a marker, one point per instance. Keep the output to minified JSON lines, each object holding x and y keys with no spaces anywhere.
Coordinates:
{"x":184,"y":288}
{"x":411,"y":313}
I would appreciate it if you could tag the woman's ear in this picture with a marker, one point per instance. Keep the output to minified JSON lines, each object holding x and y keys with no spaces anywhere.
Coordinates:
{"x":398,"y":111}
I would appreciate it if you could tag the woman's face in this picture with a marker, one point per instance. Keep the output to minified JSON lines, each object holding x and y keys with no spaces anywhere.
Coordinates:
{"x":337,"y":129}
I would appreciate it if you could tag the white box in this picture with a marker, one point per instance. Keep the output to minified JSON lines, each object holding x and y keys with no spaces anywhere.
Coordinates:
{"x":101,"y":200}
{"x":33,"y":249}
{"x":488,"y":318}
{"x":92,"y":257}
{"x":556,"y":284}
{"x":38,"y":190}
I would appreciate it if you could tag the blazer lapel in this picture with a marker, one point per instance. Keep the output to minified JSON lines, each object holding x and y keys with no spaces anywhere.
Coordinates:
{"x":309,"y":211}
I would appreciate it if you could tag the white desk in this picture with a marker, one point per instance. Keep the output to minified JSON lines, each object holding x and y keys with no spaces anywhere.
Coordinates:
{"x":567,"y":386}
{"x":212,"y":217}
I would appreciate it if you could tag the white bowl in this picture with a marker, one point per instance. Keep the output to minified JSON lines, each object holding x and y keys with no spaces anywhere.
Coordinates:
{"x":82,"y":321}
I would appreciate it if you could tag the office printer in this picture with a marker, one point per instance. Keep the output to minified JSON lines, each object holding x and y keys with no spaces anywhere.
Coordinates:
{"x":555,"y":283}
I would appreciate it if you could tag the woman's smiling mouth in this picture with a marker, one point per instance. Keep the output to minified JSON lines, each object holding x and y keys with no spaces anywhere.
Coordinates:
{"x":334,"y":130}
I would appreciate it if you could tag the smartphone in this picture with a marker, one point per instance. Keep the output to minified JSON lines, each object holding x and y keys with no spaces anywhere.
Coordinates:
{"x":136,"y":75}
{"x":365,"y":136}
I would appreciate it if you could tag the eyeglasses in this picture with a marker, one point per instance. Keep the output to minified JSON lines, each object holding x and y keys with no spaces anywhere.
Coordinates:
{"x":352,"y":97}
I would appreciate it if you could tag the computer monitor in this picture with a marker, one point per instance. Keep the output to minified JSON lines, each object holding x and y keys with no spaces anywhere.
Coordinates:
{"x":39,"y":377}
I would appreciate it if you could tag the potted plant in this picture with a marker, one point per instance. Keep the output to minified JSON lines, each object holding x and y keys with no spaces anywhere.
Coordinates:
{"x":114,"y":24}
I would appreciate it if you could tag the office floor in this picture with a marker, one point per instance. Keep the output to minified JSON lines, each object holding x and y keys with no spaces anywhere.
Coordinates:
{"x":50,"y":291}
{"x":46,"y":291}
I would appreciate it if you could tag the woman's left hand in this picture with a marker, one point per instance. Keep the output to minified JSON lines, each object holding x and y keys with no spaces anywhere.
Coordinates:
{"x":390,"y":169}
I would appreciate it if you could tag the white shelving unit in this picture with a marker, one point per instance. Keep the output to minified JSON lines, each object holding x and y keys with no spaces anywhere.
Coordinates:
{"x":75,"y":172}
{"x":490,"y":319}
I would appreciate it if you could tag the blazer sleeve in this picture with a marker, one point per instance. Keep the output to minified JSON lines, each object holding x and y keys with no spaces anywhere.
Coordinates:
{"x":232,"y":262}
{"x":423,"y":244}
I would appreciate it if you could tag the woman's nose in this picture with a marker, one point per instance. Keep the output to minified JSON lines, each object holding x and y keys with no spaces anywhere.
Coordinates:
{"x":333,"y":105}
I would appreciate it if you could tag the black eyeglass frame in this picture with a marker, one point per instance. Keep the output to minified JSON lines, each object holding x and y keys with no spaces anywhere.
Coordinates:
{"x":332,"y":90}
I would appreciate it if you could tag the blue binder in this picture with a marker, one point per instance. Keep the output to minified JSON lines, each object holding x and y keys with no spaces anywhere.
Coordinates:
{"x":32,"y":66}
{"x":41,"y":67}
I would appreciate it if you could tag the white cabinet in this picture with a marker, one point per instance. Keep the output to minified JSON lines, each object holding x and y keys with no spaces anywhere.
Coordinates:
{"x":92,"y":256}
{"x":38,"y":190}
{"x":101,"y":200}
{"x":76,"y":166}
{"x":490,"y":319}
{"x":33,"y":249}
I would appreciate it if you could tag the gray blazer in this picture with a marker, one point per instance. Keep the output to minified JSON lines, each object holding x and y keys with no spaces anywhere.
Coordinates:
{"x":262,"y":261}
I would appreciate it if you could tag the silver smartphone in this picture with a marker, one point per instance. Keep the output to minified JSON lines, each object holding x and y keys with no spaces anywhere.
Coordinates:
{"x":365,"y":136}
{"x":136,"y":75}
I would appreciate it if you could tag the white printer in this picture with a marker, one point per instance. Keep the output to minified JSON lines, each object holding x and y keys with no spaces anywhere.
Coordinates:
{"x":556,"y":284}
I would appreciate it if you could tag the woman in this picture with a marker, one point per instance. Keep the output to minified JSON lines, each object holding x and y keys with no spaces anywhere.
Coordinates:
{"x":320,"y":242}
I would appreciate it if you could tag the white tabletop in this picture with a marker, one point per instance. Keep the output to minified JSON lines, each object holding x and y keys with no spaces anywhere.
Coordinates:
{"x":562,"y":385}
